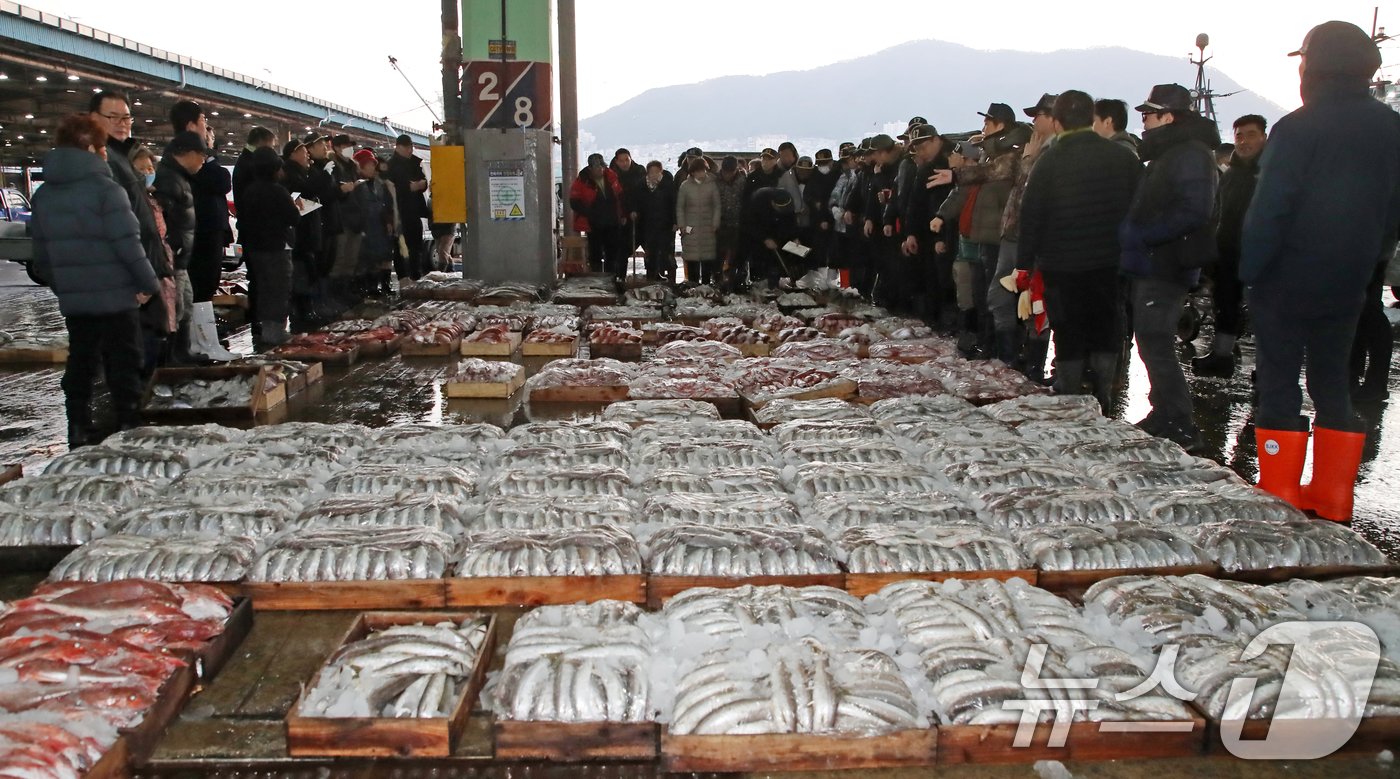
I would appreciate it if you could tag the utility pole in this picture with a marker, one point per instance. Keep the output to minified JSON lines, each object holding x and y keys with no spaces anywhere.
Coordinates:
{"x":1378,"y":35}
{"x":451,"y":73}
{"x":568,"y":106}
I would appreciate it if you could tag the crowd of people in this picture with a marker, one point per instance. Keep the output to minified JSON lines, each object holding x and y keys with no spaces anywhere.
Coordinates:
{"x":321,"y":225}
{"x":1064,"y":226}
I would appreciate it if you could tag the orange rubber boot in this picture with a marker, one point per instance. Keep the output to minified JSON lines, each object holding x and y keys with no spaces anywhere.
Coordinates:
{"x":1336,"y":460}
{"x":1281,"y":457}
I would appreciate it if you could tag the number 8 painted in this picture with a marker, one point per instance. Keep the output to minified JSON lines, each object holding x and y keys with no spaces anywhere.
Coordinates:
{"x":524,"y":115}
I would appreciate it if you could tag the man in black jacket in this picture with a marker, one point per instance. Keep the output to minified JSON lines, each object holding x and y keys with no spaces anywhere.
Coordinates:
{"x":816,"y":193}
{"x":1324,"y":215}
{"x":1227,"y":294}
{"x":772,"y":223}
{"x":174,"y":191}
{"x":933,"y":270}
{"x":880,"y":219}
{"x":1076,"y":198}
{"x":406,"y":173}
{"x":767,"y":175}
{"x":211,"y":186}
{"x":633,"y":178}
{"x":258,"y":138}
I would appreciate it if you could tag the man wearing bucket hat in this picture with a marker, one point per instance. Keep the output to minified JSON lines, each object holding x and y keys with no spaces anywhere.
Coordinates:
{"x":1324,"y":214}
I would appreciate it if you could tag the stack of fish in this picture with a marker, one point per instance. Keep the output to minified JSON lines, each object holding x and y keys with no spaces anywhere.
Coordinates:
{"x":113,"y":490}
{"x":1046,"y":408}
{"x":852,"y":509}
{"x":85,"y":660}
{"x":178,"y":438}
{"x":438,"y":512}
{"x":525,"y":456}
{"x":58,"y":524}
{"x":729,"y":613}
{"x":192,"y":557}
{"x":803,"y":687}
{"x":648,"y":412}
{"x":975,"y":639}
{"x":554,"y":513}
{"x":571,"y":481}
{"x":704,"y":455}
{"x":1212,"y":503}
{"x":1253,"y":545}
{"x":251,"y":519}
{"x":390,"y":480}
{"x":1084,"y":547}
{"x":594,"y":550}
{"x":339,"y":554}
{"x":708,"y":509}
{"x":745,"y":481}
{"x":909,"y":547}
{"x":403,"y":671}
{"x":578,"y":663}
{"x":154,"y":464}
{"x":702,"y":550}
{"x":214,"y":487}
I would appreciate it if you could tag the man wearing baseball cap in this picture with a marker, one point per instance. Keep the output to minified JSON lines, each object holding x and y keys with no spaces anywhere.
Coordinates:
{"x":1002,"y":140}
{"x":816,"y":193}
{"x":1168,"y":236}
{"x":1323,"y":217}
{"x":931,"y":271}
{"x":767,"y":175}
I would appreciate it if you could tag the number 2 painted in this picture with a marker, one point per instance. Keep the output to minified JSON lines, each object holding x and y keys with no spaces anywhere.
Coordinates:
{"x":488,"y":81}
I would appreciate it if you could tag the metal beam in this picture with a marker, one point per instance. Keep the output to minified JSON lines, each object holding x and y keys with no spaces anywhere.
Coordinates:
{"x":568,"y":106}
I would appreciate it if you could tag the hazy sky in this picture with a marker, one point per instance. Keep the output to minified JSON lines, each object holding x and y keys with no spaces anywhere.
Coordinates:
{"x":628,"y":46}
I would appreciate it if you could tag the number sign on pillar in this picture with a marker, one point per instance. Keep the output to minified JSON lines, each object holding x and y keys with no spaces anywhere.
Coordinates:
{"x":507,"y":54}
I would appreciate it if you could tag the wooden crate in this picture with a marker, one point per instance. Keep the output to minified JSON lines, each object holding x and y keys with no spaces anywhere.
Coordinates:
{"x":844,"y":389}
{"x":578,"y":395}
{"x":411,"y":349}
{"x":141,"y":739}
{"x":798,"y":752}
{"x":662,"y":587}
{"x":260,"y":400}
{"x":9,"y":473}
{"x":475,"y":349}
{"x":343,"y":358}
{"x":1372,"y":735}
{"x":755,"y":350}
{"x":863,"y":584}
{"x":230,"y":301}
{"x":575,"y":742}
{"x":1086,"y":742}
{"x":13,"y":356}
{"x":380,"y":348}
{"x":495,"y":389}
{"x":210,"y":658}
{"x":1078,"y":581}
{"x":529,"y":349}
{"x":387,"y":736}
{"x":114,"y":763}
{"x":632,"y":352}
{"x":542,"y":590}
{"x":341,"y":596}
{"x":1317,"y":572}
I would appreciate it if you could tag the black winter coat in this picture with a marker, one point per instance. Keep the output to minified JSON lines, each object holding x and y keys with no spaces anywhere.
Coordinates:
{"x":268,"y":218}
{"x":922,"y":205}
{"x":817,"y":195}
{"x":767,"y":222}
{"x":403,"y":172}
{"x":1076,"y":198}
{"x":174,"y":191}
{"x":634,"y":188}
{"x":87,"y":241}
{"x":880,"y":186}
{"x":349,"y":215}
{"x":656,"y":212}
{"x":1236,"y":190}
{"x":242,"y":177}
{"x":212,"y":184}
{"x":153,"y":315}
{"x":1327,"y":200}
{"x":1170,"y":231}
{"x":308,"y":230}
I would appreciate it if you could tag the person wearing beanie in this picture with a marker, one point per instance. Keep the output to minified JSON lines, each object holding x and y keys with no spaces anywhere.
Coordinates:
{"x":379,"y":245}
{"x":1324,"y":215}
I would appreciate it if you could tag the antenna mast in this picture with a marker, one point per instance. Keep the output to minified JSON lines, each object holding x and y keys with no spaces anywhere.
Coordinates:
{"x":1202,"y":95}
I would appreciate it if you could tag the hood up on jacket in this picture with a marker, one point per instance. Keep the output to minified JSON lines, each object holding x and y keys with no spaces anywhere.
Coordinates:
{"x":64,"y":165}
{"x":1189,"y":127}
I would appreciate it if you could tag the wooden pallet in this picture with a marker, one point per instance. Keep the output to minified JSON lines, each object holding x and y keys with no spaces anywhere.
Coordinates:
{"x":478,"y":349}
{"x":495,"y":389}
{"x":844,"y":389}
{"x":578,"y":395}
{"x":380,"y":348}
{"x":575,"y":742}
{"x":532,"y":349}
{"x":340,"y":596}
{"x":662,"y":587}
{"x":387,"y":736}
{"x":543,"y":590}
{"x":411,"y":349}
{"x":1317,"y":572}
{"x":1372,"y":735}
{"x":12,"y":356}
{"x":863,"y":584}
{"x":798,"y":752}
{"x":628,"y":352}
{"x":344,"y":357}
{"x":1086,"y":741}
{"x":1078,"y":581}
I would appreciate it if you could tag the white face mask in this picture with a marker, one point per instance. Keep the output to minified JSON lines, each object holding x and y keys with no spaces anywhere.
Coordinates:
{"x":825,"y":169}
{"x":347,"y":152}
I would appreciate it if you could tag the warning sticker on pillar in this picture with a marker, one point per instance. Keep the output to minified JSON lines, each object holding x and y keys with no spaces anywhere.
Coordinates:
{"x":506,"y":189}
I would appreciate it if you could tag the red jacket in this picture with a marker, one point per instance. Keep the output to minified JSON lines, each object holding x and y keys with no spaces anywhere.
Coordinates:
{"x":589,"y":208}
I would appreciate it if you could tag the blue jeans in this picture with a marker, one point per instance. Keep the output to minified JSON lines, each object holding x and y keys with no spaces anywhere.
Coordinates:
{"x":1157,"y":308}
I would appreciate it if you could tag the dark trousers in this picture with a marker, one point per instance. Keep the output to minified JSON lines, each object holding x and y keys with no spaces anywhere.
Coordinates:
{"x":660,"y":256}
{"x":1374,"y":343}
{"x":1228,"y":295}
{"x":410,"y":267}
{"x":702,"y":272}
{"x":1283,"y":342}
{"x":1084,"y":307}
{"x":206,"y":265}
{"x":605,"y":251}
{"x":113,"y":342}
{"x":270,"y":276}
{"x":1156,"y":311}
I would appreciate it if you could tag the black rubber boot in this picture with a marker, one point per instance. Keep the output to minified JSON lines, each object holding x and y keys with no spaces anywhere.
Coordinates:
{"x":1009,"y":347}
{"x":1069,"y":377}
{"x":1037,"y":349}
{"x":1105,"y":368}
{"x":967,"y":331}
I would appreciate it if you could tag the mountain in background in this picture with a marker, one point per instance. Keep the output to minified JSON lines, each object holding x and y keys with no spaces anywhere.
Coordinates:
{"x":946,"y":83}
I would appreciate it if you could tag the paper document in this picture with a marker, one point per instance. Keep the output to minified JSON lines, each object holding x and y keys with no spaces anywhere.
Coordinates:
{"x":793,"y":247}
